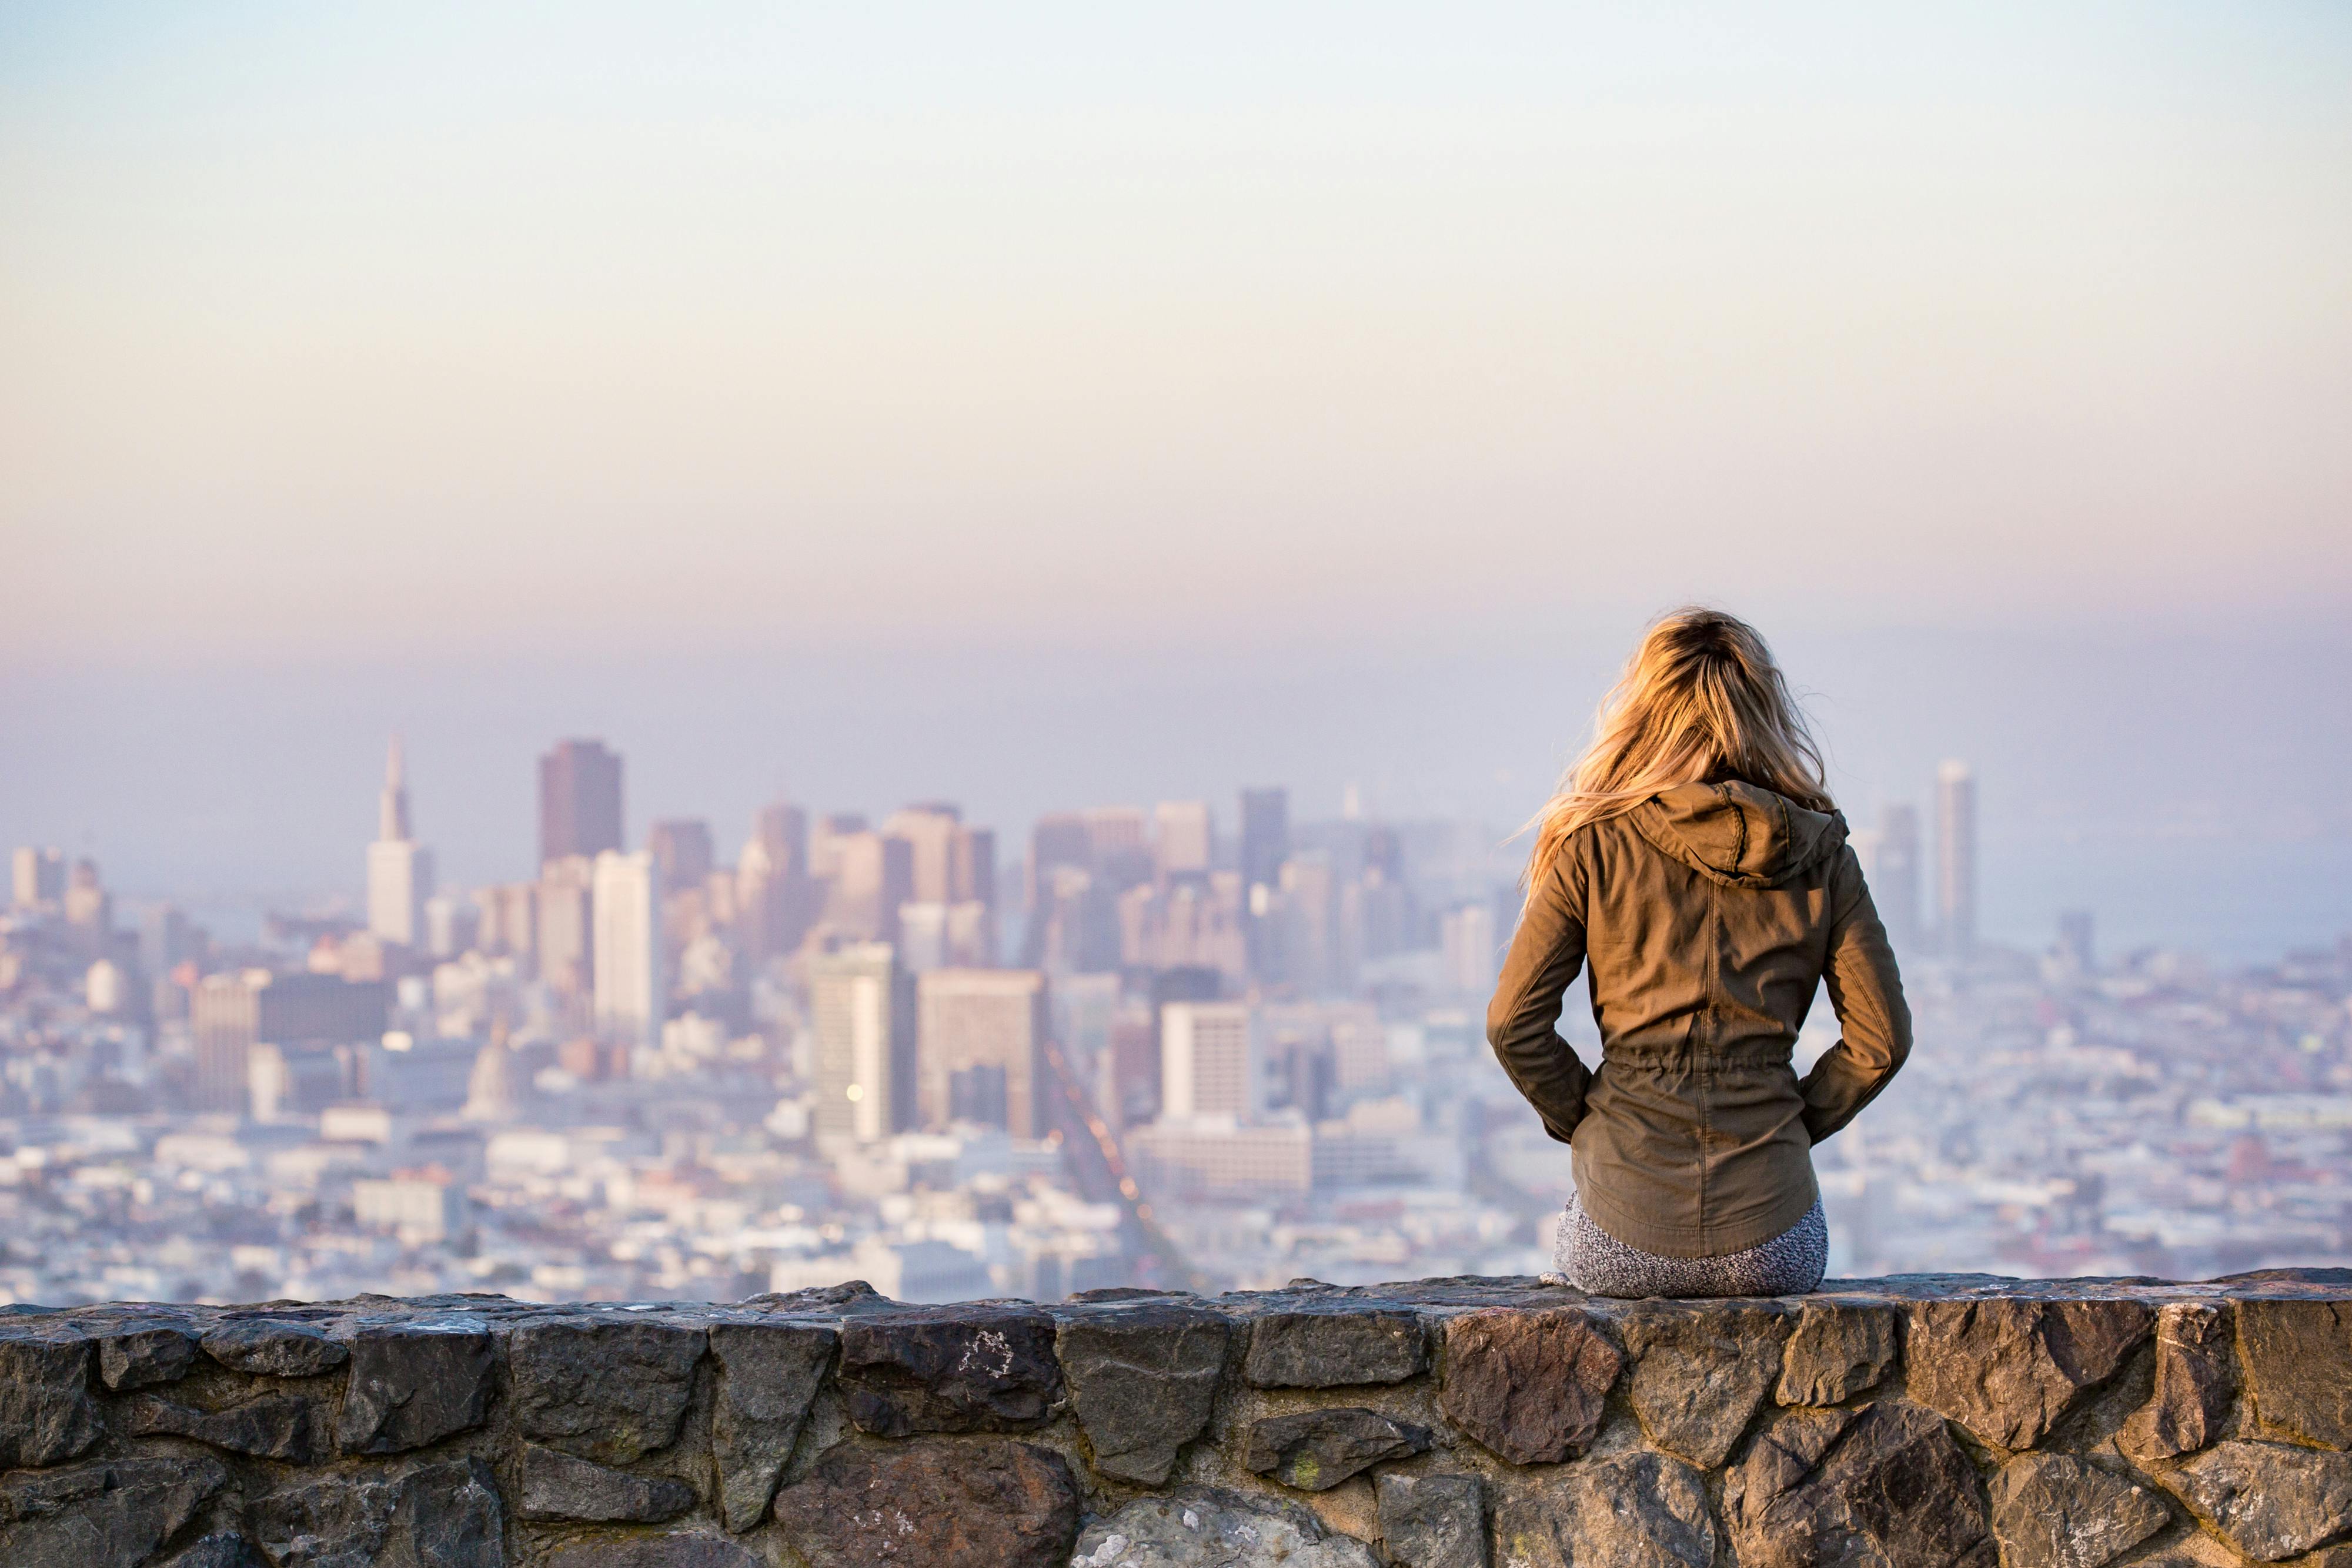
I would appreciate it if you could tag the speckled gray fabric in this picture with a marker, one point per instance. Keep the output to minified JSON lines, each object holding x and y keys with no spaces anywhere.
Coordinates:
{"x":1597,"y":1263}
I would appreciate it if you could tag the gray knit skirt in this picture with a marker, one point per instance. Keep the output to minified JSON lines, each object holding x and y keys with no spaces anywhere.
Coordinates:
{"x":1597,"y":1263}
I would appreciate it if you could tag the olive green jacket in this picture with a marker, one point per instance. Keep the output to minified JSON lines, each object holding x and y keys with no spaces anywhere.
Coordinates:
{"x":1707,"y":915}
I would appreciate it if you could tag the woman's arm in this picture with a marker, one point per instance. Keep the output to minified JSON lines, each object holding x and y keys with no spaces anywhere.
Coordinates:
{"x":1545,"y":956}
{"x":1867,"y":994}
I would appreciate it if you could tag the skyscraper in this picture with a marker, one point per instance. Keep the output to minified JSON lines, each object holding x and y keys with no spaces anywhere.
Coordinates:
{"x":579,"y":800}
{"x":1059,"y":840}
{"x":629,"y":992}
{"x":400,"y":869}
{"x":861,"y":1015}
{"x":1955,"y":859}
{"x":1180,"y":837}
{"x":980,"y":1049}
{"x":1265,"y":844}
{"x":681,"y":851}
{"x":40,"y":876}
{"x":1208,"y":1064}
{"x":929,"y":830}
{"x":873,"y":877}
{"x":1895,"y":875}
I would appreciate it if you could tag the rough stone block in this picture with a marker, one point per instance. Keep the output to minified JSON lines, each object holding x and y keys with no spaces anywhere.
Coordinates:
{"x":935,"y":1503}
{"x":1886,"y":1483}
{"x":414,"y":1383}
{"x":1700,"y":1373}
{"x":1531,"y":1385}
{"x":1839,"y":1349}
{"x":146,"y":1354}
{"x":1314,"y":1450}
{"x":1207,"y":1527}
{"x":608,"y":1388}
{"x":1628,"y":1510}
{"x":2299,"y":1356}
{"x":1143,"y":1381}
{"x":445,"y":1515}
{"x":101,"y":1513}
{"x":283,"y":1427}
{"x":228,"y":1549}
{"x":45,"y":1415}
{"x":2270,"y":1500}
{"x":562,"y":1486}
{"x":2054,"y":1510}
{"x":270,"y":1347}
{"x":1335,"y":1346}
{"x":2195,"y":1377}
{"x":2007,"y":1368}
{"x":981,"y":1367}
{"x":768,"y":1375}
{"x":1432,"y":1522}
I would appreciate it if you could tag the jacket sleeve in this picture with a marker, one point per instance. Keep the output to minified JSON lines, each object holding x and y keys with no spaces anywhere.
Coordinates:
{"x":1545,"y":956}
{"x":1867,"y":992}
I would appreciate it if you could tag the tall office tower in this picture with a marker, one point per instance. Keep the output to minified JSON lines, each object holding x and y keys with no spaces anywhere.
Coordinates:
{"x":630,"y":995}
{"x":1059,"y":841}
{"x":399,"y":869}
{"x":579,"y":800}
{"x":929,"y":832}
{"x":872,"y":880}
{"x":1208,"y":1060}
{"x":567,"y":948}
{"x":1118,"y":846}
{"x":980,"y":1040}
{"x":1181,"y":837}
{"x":164,"y":938}
{"x":1311,"y":956}
{"x":1265,"y":844}
{"x":1955,"y":859}
{"x":775,"y":896}
{"x":1467,"y":941}
{"x":861,"y":1011}
{"x":88,"y":904}
{"x":1893,"y":870}
{"x":1265,"y":836}
{"x":509,"y":922}
{"x":825,"y":843}
{"x":232,"y":1013}
{"x":681,"y":851}
{"x":40,"y":877}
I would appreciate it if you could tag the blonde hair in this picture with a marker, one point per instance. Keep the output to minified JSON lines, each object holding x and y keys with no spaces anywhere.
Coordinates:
{"x":1700,"y":699}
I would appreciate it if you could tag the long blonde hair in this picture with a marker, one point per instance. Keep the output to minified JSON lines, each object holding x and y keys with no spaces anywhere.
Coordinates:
{"x":1700,"y":699}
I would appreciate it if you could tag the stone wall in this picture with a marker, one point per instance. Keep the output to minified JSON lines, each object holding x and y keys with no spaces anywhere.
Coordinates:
{"x":1439,"y":1425}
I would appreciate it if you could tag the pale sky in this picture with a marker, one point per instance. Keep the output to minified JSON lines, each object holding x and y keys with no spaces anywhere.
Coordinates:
{"x":397,"y":330}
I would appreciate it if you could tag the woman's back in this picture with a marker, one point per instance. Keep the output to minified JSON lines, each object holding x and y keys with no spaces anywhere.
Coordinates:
{"x":1707,"y":916}
{"x":1693,"y":857}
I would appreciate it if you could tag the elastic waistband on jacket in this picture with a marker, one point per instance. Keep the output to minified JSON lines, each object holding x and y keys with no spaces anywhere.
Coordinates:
{"x":1683,"y":1056}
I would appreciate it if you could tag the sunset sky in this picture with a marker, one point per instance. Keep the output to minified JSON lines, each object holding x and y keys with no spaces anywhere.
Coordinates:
{"x":419,"y":342}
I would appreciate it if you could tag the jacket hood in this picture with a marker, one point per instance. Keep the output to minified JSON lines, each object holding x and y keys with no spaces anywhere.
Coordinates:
{"x":1738,"y":834}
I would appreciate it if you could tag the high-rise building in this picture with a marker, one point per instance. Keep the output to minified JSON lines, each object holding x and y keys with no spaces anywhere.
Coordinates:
{"x":1467,"y":944}
{"x":88,"y":904}
{"x":873,"y":878}
{"x":40,"y":876}
{"x":629,"y":992}
{"x":862,"y":1013}
{"x":400,"y":869}
{"x":1265,"y":836}
{"x":1265,"y":844}
{"x":774,"y":895}
{"x":565,"y":899}
{"x":825,"y":843}
{"x":1118,"y":846}
{"x":681,"y":850}
{"x":1059,"y":841}
{"x":1955,"y":859}
{"x":1208,"y":1060}
{"x":980,"y":1049}
{"x":1181,"y":837}
{"x":929,"y":832}
{"x":579,"y":800}
{"x":231,"y":1013}
{"x":1893,"y":870}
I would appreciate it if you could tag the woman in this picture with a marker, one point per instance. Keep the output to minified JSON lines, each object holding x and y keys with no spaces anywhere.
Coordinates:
{"x":1692,"y":859}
